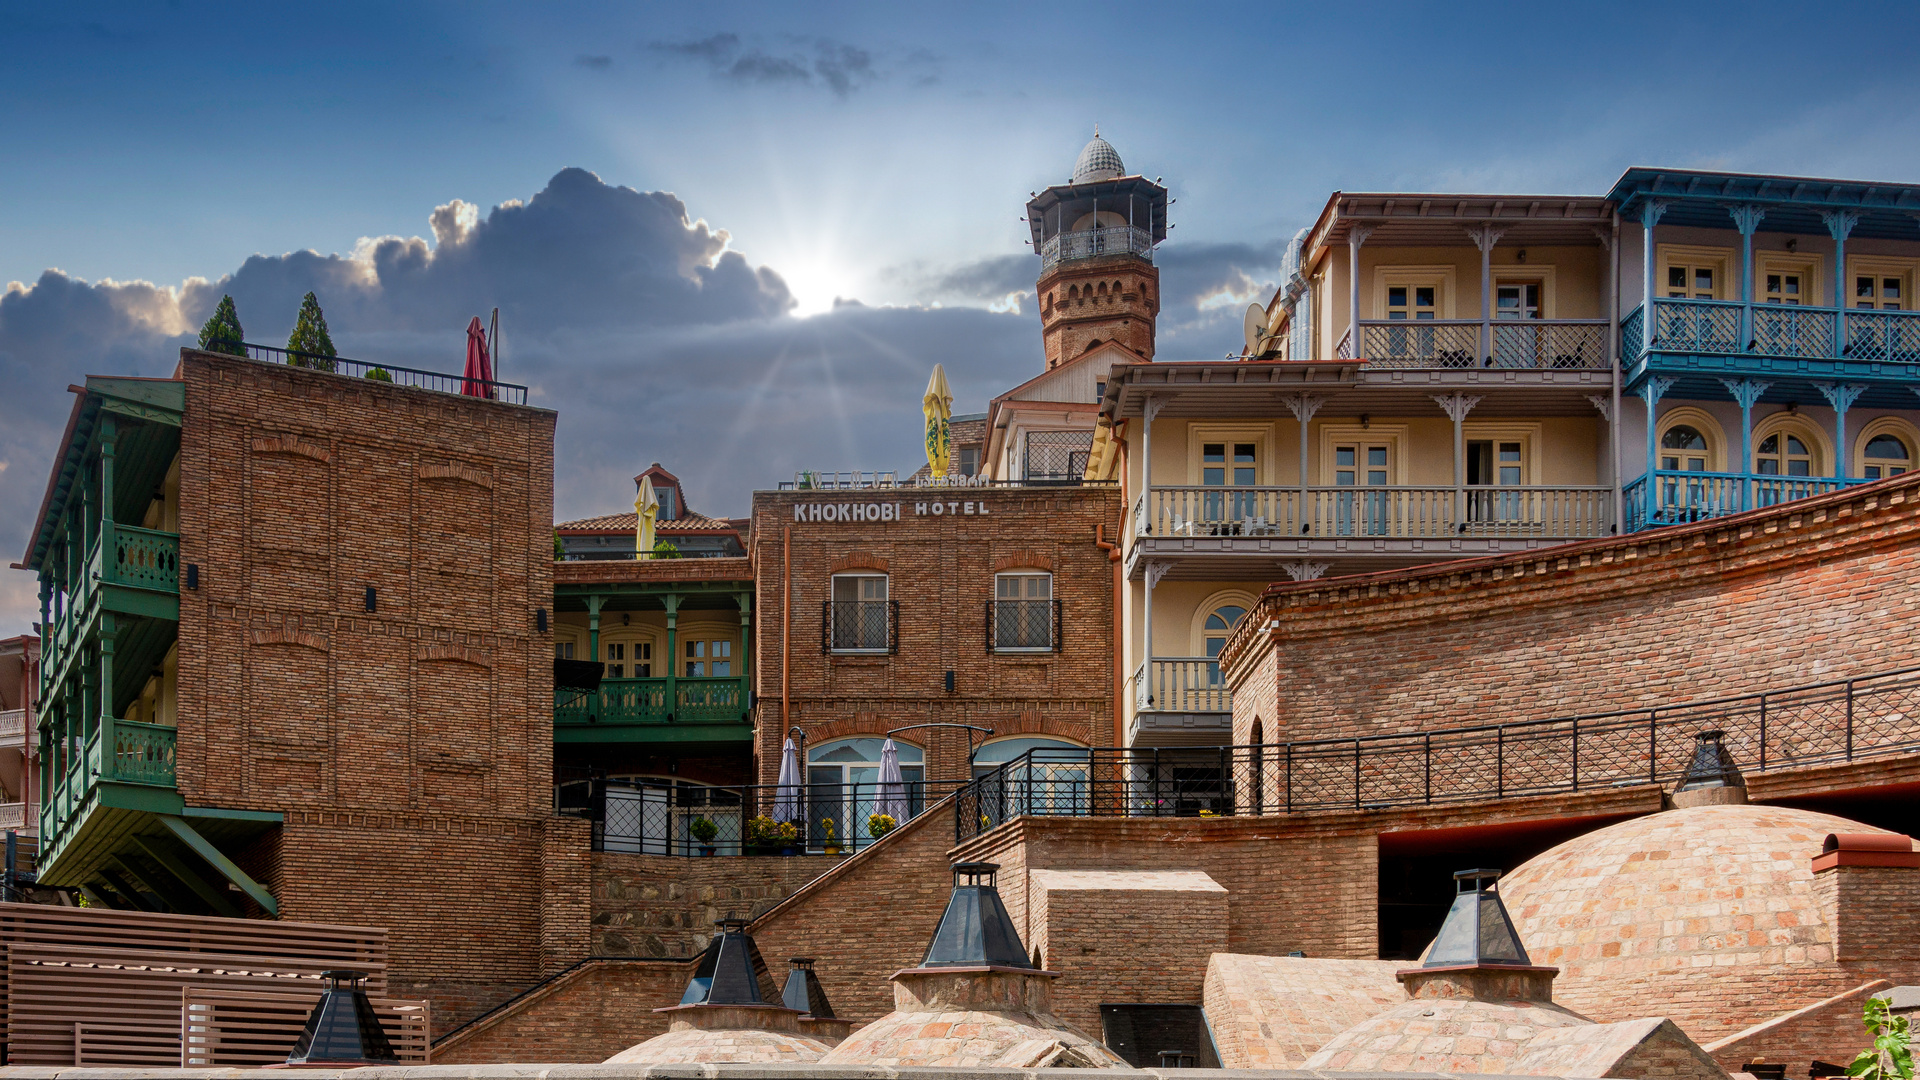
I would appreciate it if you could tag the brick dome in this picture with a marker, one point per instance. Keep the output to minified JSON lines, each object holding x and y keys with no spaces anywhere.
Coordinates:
{"x":1626,"y":912}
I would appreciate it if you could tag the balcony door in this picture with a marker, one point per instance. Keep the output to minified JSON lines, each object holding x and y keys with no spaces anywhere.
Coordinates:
{"x":1362,"y":464}
{"x":1228,"y":464}
{"x":1499,"y":463}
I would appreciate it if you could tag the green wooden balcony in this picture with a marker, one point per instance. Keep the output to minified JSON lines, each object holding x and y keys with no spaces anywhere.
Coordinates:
{"x":656,"y":710}
{"x":123,"y":768}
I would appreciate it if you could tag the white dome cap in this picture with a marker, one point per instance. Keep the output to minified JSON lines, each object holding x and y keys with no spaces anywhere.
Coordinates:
{"x":1098,"y":161}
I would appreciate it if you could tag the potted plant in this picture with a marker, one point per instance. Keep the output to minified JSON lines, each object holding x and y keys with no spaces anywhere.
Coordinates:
{"x":789,"y":838}
{"x":829,"y":845}
{"x":762,"y":835}
{"x":879,"y":825}
{"x":704,"y":830}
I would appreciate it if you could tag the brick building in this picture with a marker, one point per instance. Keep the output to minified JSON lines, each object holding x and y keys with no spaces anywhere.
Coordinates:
{"x":889,"y":608}
{"x":296,"y":645}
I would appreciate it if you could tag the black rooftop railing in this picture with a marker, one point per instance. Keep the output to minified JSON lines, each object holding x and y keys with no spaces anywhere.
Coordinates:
{"x":1819,"y":723}
{"x":443,"y":382}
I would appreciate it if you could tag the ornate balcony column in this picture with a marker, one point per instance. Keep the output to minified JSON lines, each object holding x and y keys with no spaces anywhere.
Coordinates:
{"x":109,"y":633}
{"x":1745,"y":392}
{"x":1651,"y":392}
{"x":1155,"y":571}
{"x":1484,"y":238}
{"x":1303,"y":406}
{"x":1841,"y":396}
{"x":1356,"y":236}
{"x":1149,"y":408}
{"x":672,"y":601}
{"x":745,"y":599}
{"x":593,"y":627}
{"x":1746,"y":218}
{"x":1840,"y":223}
{"x":1457,"y":405}
{"x":1651,"y":212}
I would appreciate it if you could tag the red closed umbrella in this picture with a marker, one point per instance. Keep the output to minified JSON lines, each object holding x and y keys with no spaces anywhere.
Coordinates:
{"x":478,"y":379}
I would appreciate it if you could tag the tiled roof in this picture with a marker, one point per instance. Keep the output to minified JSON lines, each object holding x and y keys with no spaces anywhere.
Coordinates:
{"x":626,"y":522}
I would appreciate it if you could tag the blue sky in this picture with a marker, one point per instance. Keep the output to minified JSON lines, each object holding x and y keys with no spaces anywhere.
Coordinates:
{"x":880,"y":153}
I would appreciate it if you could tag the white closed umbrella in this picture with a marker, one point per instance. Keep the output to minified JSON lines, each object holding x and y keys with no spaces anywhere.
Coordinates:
{"x":891,"y":799}
{"x":786,"y":798}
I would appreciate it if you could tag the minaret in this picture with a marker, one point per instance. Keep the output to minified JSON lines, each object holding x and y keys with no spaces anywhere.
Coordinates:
{"x":1095,"y":236}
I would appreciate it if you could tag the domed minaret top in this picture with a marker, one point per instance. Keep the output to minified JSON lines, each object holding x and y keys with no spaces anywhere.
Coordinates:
{"x":1098,"y":161}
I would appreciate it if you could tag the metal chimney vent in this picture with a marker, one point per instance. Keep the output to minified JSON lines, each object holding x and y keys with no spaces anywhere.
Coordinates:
{"x":1712,"y":766}
{"x":976,"y":930}
{"x":730,"y":971}
{"x":1477,"y":930}
{"x":343,"y":1029}
{"x":804,"y":992}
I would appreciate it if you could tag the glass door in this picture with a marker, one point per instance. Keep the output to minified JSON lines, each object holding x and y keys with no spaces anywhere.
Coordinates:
{"x":1362,"y":465}
{"x":1229,"y":512}
{"x":1516,"y":346}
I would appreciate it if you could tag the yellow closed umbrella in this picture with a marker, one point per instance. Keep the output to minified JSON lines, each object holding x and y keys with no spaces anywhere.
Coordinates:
{"x":937,"y":406}
{"x":646,"y":507}
{"x":1101,"y":458}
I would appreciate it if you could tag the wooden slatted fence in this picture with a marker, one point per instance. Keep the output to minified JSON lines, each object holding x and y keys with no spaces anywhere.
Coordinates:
{"x":97,"y":986}
{"x":249,"y":1028}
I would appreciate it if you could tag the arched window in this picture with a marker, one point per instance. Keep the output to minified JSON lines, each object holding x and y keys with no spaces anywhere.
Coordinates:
{"x":1041,"y":775}
{"x":1257,"y":766}
{"x":1886,"y":454}
{"x":843,"y":786}
{"x":1683,"y":448}
{"x":1220,"y":622}
{"x":1046,"y":750}
{"x":1783,"y":453}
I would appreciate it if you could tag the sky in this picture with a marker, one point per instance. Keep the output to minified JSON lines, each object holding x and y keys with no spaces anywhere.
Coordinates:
{"x":735,"y":238}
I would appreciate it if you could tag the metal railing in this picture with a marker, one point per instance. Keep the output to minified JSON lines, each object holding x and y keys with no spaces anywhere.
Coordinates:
{"x":1187,"y":684}
{"x":859,"y":626}
{"x":1786,"y":330}
{"x":1023,"y":626}
{"x":646,"y":701}
{"x":1678,"y":497}
{"x":1398,"y":511}
{"x":1093,"y":243}
{"x":1819,"y":723}
{"x":642,"y":818}
{"x":443,"y":382}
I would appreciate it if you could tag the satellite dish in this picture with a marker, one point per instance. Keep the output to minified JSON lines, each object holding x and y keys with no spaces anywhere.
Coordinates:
{"x":1256,"y":328}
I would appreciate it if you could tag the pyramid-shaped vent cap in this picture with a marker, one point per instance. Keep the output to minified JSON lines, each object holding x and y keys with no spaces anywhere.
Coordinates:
{"x":343,"y":1029}
{"x":1098,"y":161}
{"x":976,"y":930}
{"x":1712,"y":765}
{"x":730,"y":972}
{"x":1477,"y":929}
{"x":804,"y":992}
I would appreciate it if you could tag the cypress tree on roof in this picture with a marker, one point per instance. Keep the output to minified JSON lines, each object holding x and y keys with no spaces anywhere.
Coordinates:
{"x":222,"y":333}
{"x":310,"y":341}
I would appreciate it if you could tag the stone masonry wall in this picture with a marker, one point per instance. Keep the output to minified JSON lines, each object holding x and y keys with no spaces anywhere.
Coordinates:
{"x":1818,"y":589}
{"x":940,"y":570}
{"x":408,"y":747}
{"x":665,"y":906}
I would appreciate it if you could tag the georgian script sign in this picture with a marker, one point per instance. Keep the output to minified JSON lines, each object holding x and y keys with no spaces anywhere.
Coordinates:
{"x":886,"y":511}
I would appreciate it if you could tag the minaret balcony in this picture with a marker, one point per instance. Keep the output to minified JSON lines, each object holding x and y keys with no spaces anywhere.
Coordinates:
{"x":1094,"y":244}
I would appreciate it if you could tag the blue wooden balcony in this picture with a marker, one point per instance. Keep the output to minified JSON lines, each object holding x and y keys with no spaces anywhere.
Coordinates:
{"x":1677,"y":497}
{"x":1726,"y":339}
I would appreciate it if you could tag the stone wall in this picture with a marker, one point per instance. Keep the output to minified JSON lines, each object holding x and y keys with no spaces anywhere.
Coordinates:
{"x":1812,"y":590}
{"x":665,"y":906}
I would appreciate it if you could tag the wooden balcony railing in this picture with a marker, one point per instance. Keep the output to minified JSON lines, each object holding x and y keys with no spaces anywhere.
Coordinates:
{"x":1406,"y":512}
{"x":646,"y":701}
{"x":13,"y":725}
{"x":1677,"y":497}
{"x":1186,"y":684}
{"x":1776,"y":330}
{"x":1464,"y":343}
{"x":117,"y":751}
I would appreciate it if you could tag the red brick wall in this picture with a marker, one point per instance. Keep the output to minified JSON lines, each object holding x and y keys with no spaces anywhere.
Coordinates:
{"x":587,"y":1014}
{"x":1865,"y":906}
{"x":1829,"y":1030}
{"x":941,"y":573}
{"x":1137,"y":941}
{"x":409,"y":747}
{"x":665,"y":906}
{"x":1813,"y":590}
{"x":1126,"y":315}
